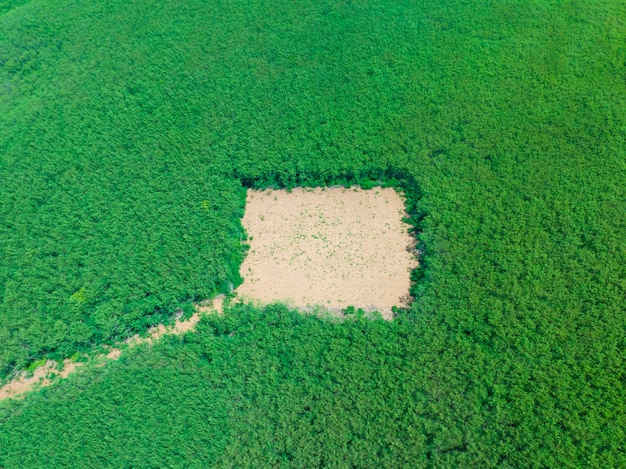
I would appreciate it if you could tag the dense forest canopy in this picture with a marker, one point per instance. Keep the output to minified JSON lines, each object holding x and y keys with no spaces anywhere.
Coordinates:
{"x":129,"y":132}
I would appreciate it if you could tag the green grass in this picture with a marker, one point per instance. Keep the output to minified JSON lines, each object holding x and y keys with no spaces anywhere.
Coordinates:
{"x":36,"y":364}
{"x":128,"y":133}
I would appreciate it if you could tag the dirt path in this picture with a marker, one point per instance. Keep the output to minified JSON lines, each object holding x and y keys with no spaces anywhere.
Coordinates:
{"x":47,"y":374}
{"x":332,"y":247}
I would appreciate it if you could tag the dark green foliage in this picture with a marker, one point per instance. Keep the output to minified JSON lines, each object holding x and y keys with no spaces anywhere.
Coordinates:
{"x":124,"y":416}
{"x":114,"y":212}
{"x":128,"y":132}
{"x":8,"y":5}
{"x":274,"y":388}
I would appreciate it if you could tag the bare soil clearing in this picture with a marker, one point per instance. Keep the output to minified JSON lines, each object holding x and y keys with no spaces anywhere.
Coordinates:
{"x":45,"y":375}
{"x":329,"y":247}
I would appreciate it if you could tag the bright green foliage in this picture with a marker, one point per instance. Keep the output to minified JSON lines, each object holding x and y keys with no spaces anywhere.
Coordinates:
{"x":275,"y":388}
{"x":154,"y":410}
{"x":36,"y":364}
{"x":129,"y":130}
{"x":104,"y":229}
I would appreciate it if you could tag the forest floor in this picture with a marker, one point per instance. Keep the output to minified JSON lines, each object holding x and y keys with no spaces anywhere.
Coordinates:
{"x":328,"y":247}
{"x":49,"y":372}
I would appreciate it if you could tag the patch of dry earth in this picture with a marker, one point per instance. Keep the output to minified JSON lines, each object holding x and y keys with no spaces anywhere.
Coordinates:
{"x":332,"y":247}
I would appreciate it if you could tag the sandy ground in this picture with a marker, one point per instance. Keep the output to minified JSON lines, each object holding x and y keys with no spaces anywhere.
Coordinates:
{"x":45,"y":375}
{"x":330,"y":247}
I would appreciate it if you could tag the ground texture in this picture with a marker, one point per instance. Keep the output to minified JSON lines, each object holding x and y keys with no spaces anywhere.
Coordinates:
{"x":333,"y":247}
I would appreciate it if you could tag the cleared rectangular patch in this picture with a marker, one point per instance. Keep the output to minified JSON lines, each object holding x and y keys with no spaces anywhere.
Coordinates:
{"x":329,"y":247}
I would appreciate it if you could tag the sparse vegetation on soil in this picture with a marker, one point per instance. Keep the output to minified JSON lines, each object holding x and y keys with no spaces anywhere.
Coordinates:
{"x":333,"y":248}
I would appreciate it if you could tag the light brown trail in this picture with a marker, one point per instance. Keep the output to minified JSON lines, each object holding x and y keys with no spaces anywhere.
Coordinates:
{"x":47,"y":374}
